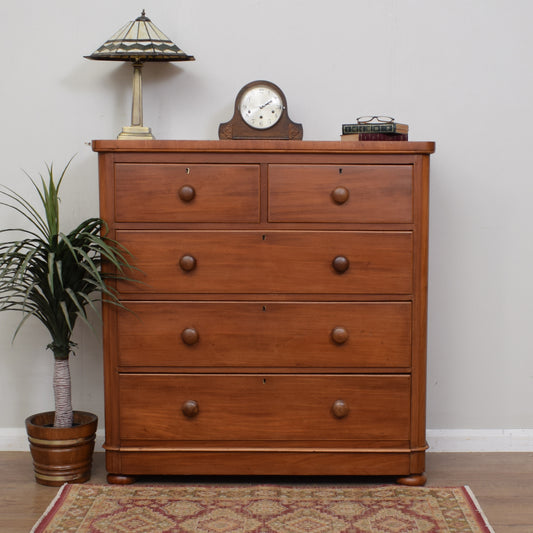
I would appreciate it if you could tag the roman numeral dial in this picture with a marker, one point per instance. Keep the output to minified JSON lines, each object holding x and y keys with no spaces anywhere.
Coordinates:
{"x":261,"y":107}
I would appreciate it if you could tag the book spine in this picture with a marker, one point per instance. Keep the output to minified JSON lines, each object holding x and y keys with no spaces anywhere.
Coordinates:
{"x":369,"y":128}
{"x":375,"y":137}
{"x":383,"y":137}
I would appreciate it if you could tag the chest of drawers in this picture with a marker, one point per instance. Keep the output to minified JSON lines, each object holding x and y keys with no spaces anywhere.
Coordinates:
{"x":278,"y":324}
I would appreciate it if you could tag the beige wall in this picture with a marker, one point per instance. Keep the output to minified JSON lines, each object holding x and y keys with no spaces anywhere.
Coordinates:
{"x":458,"y":71}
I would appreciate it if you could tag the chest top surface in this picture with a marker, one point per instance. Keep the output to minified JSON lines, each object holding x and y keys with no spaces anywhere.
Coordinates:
{"x":229,"y":146}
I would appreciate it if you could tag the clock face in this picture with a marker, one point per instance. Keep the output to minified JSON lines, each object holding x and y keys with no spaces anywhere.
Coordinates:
{"x":261,"y":107}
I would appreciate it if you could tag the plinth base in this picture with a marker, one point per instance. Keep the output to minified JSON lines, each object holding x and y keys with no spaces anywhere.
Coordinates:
{"x":135,"y":132}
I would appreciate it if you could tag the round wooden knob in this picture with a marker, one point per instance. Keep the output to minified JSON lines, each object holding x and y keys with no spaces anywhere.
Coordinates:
{"x":340,"y":195}
{"x":341,"y":264}
{"x":340,"y":409}
{"x":339,"y":335}
{"x":190,"y":408}
{"x":186,"y":193}
{"x":190,"y":336}
{"x":187,"y":263}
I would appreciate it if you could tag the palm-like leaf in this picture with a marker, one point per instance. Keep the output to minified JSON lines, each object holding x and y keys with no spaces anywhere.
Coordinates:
{"x":53,"y":276}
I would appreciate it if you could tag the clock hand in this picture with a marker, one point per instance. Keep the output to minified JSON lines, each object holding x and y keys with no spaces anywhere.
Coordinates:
{"x":265,"y":104}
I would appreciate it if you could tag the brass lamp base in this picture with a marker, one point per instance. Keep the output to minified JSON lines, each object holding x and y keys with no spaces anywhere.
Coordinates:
{"x":135,"y":132}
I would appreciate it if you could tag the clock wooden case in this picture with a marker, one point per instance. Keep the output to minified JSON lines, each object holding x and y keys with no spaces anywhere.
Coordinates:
{"x":272,"y":104}
{"x":280,"y":326}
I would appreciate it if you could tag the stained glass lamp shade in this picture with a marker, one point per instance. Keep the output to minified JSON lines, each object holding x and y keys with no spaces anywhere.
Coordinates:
{"x":139,"y":41}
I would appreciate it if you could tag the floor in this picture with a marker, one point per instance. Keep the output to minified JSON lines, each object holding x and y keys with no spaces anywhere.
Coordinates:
{"x":502,"y":483}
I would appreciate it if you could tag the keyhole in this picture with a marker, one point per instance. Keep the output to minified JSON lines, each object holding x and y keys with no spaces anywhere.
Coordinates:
{"x":187,"y":170}
{"x":340,"y":170}
{"x":264,"y":237}
{"x":264,"y":381}
{"x":264,"y":308}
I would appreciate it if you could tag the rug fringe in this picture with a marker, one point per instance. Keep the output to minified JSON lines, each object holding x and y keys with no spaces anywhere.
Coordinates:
{"x":479,"y":510}
{"x":53,"y":503}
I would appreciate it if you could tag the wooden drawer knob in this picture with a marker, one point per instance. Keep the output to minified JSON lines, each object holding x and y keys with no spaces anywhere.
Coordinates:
{"x":190,"y":336}
{"x":339,"y":335}
{"x":187,"y":193}
{"x":340,"y":264}
{"x":340,"y":195}
{"x":190,"y":408}
{"x":340,"y":409}
{"x":187,"y":263}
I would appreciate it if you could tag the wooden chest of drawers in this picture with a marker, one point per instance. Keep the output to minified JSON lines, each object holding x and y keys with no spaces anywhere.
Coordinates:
{"x":278,"y":325}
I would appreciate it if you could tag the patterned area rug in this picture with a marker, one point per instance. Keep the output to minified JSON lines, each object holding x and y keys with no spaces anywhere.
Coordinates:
{"x":261,"y":509}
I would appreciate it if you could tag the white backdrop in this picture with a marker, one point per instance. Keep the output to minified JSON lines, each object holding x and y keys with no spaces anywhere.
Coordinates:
{"x":458,"y":71}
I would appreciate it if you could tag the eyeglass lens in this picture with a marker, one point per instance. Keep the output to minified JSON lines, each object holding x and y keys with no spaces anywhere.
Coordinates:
{"x":377,"y":118}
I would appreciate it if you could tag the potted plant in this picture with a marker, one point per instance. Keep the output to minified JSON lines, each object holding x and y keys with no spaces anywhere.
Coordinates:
{"x":57,"y":277}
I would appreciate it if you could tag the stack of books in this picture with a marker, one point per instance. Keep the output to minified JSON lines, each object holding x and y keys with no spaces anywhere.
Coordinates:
{"x":375,"y":131}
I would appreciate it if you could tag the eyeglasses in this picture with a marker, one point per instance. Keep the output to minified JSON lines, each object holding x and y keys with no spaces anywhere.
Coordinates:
{"x":377,"y":118}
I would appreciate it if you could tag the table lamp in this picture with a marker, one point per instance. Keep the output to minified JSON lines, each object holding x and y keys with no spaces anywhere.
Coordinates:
{"x":139,"y":41}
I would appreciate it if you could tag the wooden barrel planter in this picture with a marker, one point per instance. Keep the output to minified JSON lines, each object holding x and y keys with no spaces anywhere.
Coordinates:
{"x":62,"y":455}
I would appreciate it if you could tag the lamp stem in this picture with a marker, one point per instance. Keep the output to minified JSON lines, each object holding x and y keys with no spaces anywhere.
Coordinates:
{"x":137,"y":103}
{"x":136,"y":130}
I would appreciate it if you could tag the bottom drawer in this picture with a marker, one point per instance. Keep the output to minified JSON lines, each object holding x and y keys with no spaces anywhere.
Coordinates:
{"x":264,"y":407}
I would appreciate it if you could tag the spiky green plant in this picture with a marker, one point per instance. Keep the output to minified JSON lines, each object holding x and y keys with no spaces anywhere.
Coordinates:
{"x":56,"y":277}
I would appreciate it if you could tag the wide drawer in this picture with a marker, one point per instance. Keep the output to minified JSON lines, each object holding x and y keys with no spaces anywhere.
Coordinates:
{"x":340,"y":193}
{"x":267,"y":334}
{"x":186,"y":193}
{"x":275,"y":261}
{"x":263,"y":407}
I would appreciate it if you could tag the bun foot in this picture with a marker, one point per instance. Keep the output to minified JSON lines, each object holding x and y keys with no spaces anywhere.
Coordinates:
{"x":120,"y":479}
{"x":414,"y":480}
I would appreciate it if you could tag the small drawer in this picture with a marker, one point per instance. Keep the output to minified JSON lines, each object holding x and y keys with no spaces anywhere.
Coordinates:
{"x":270,"y":334}
{"x":263,"y":407}
{"x":340,"y":193}
{"x":243,"y":262}
{"x":186,"y":193}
